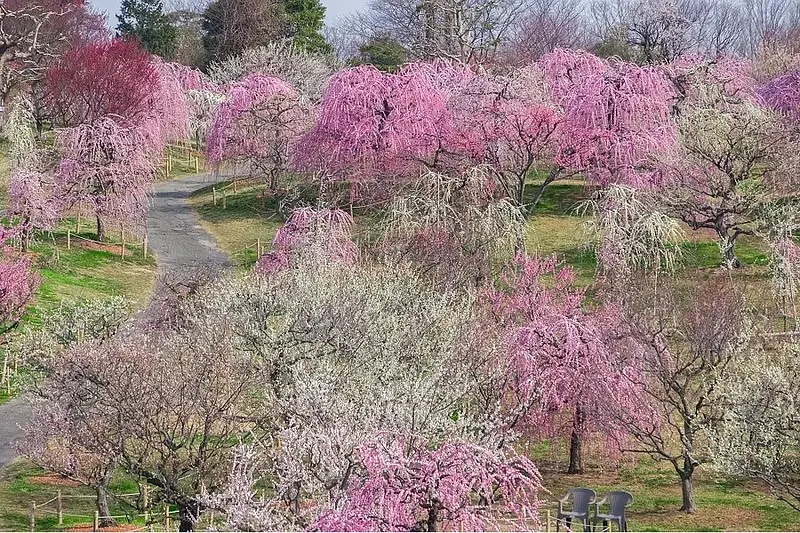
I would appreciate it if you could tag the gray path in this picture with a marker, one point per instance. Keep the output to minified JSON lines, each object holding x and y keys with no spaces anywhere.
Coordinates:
{"x":175,"y":233}
{"x":179,"y":242}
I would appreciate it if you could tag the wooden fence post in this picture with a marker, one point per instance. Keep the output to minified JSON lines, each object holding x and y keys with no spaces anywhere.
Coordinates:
{"x":547,"y":517}
{"x":224,"y":200}
{"x":69,"y":239}
{"x":78,"y":223}
{"x":197,"y":164}
{"x":144,"y":246}
{"x":59,"y":509}
{"x":123,"y":244}
{"x":166,"y":517}
{"x":258,"y":248}
{"x":234,"y":186}
{"x":214,"y":194}
{"x":32,"y":517}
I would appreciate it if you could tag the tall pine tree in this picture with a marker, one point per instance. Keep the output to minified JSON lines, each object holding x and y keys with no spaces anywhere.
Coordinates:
{"x":304,"y":21}
{"x":146,"y":21}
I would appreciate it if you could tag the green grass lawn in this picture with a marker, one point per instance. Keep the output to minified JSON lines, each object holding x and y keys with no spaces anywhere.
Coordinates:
{"x":724,"y":503}
{"x":23,"y":483}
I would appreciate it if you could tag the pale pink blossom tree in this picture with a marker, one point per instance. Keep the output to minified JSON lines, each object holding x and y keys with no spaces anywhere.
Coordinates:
{"x":105,"y":169}
{"x":18,"y":283}
{"x":561,"y":354}
{"x":407,"y":486}
{"x":258,"y":124}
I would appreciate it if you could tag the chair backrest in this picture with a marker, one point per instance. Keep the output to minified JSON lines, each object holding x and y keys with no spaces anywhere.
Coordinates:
{"x":618,"y":501}
{"x":581,"y":499}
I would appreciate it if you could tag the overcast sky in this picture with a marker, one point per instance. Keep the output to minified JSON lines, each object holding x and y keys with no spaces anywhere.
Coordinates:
{"x":335,"y":8}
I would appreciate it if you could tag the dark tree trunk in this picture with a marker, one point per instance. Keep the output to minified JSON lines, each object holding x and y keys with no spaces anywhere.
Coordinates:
{"x":576,"y":445}
{"x":726,"y":246}
{"x":102,"y":501}
{"x":100,"y":229}
{"x":687,"y":493}
{"x":189,"y":514}
{"x":537,"y":196}
{"x":433,"y":517}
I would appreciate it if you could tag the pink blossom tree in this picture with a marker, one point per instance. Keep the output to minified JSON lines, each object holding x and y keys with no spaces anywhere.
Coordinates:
{"x":560,"y":353}
{"x":326,"y":231}
{"x":258,"y":123}
{"x":18,"y":284}
{"x":408,"y":487}
{"x":372,"y":123}
{"x":105,"y":168}
{"x":782,"y":94}
{"x":617,"y":117}
{"x":507,"y":123}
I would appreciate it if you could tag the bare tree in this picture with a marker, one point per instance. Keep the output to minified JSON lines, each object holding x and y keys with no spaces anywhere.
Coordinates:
{"x":546,"y":25}
{"x":683,"y":350}
{"x":467,"y":30}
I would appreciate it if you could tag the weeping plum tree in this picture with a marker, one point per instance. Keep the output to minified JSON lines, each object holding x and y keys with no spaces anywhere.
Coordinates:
{"x":258,"y":123}
{"x":105,"y":168}
{"x":616,"y":118}
{"x":563,"y":356}
{"x":373,"y":123}
{"x":405,"y":486}
{"x":18,"y":283}
{"x":506,"y":122}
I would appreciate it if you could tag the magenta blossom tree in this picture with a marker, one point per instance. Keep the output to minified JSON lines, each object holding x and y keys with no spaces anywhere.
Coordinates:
{"x":406,"y":486}
{"x":782,"y":94}
{"x":257,"y":124}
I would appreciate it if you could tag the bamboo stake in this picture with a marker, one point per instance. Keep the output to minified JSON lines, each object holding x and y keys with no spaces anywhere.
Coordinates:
{"x":197,"y":164}
{"x":96,"y":521}
{"x":214,"y":194}
{"x":123,"y":244}
{"x":146,"y":503}
{"x":547,"y":517}
{"x":59,"y":509}
{"x":78,"y":223}
{"x":258,"y":248}
{"x":144,"y":246}
{"x":166,"y":517}
{"x":69,"y":239}
{"x":32,"y":517}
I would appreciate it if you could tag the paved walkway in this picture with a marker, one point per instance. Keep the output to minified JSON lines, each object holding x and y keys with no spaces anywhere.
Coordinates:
{"x":179,"y":242}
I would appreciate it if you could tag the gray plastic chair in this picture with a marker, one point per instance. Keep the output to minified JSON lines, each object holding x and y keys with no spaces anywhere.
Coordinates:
{"x":581,"y":500}
{"x":618,"y":501}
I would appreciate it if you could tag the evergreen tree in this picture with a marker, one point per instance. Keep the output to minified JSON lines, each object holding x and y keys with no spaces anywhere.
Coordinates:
{"x":383,"y":52}
{"x":304,"y":21}
{"x":146,"y":21}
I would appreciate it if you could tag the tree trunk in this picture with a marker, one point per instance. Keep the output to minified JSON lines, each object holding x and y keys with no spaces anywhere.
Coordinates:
{"x":102,"y":501}
{"x":100,"y":229}
{"x":726,"y":248}
{"x":433,"y":517}
{"x":576,"y":445}
{"x":189,"y":514}
{"x":537,"y":196}
{"x":687,"y":492}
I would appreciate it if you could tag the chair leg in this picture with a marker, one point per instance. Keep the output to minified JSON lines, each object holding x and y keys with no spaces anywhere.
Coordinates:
{"x":606,"y":526}
{"x":569,"y":523}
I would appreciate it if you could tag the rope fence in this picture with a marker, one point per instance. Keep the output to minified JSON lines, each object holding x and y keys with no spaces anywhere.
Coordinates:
{"x":160,"y":520}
